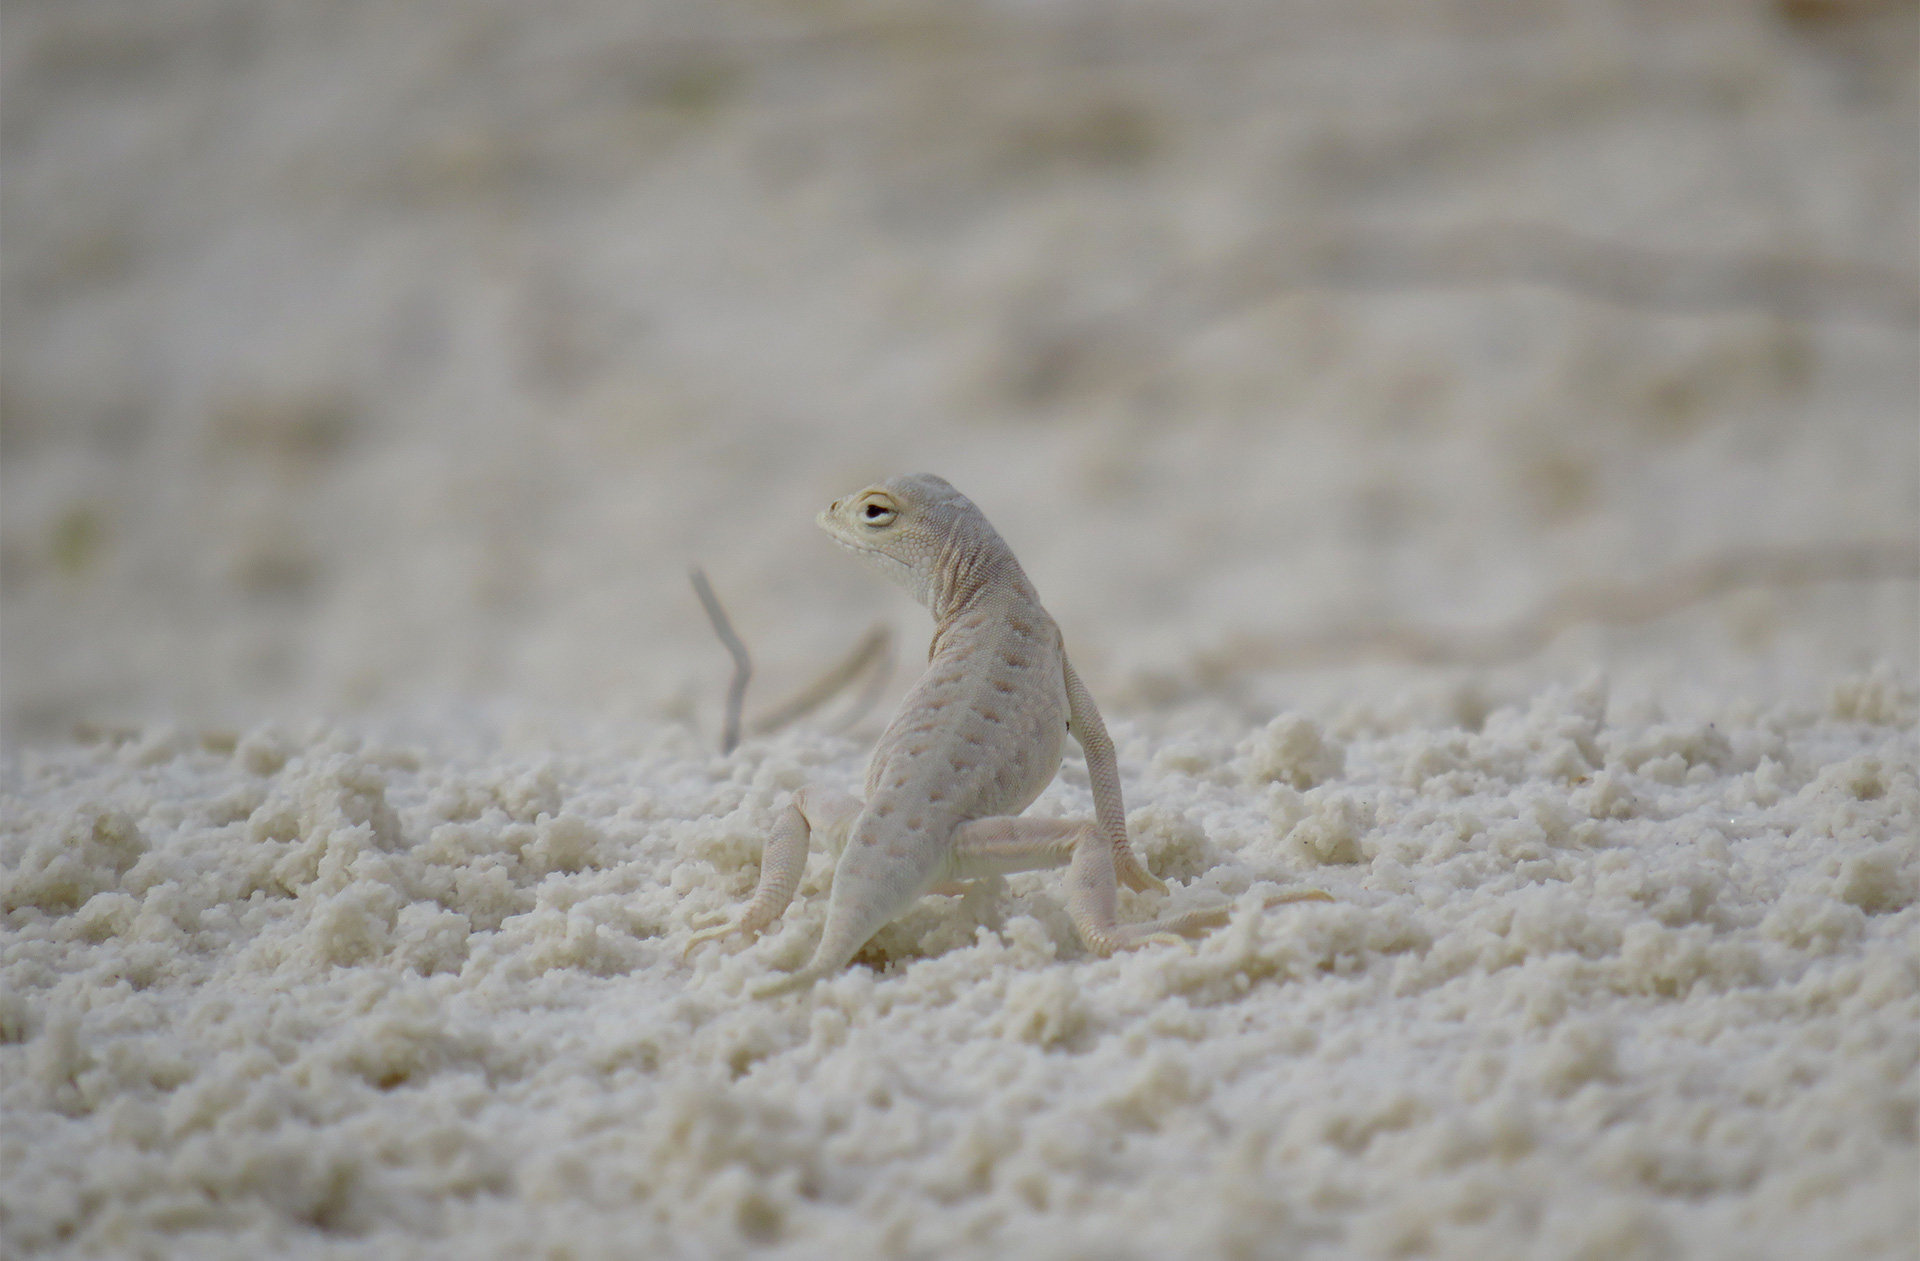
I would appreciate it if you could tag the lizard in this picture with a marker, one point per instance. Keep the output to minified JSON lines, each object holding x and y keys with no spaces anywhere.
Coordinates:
{"x":976,"y":740}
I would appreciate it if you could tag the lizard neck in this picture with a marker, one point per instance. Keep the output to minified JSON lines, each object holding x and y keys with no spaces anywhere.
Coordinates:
{"x":975,"y":576}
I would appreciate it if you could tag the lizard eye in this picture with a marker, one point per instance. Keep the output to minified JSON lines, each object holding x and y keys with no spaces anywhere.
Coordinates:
{"x":877,"y":515}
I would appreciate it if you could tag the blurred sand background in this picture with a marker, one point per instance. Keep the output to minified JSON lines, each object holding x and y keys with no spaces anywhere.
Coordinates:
{"x":371,"y":358}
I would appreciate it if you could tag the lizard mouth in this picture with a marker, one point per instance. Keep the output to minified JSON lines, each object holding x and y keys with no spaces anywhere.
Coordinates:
{"x":890,"y":567}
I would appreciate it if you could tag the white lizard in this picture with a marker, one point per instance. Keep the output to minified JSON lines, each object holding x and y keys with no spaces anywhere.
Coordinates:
{"x":976,"y":740}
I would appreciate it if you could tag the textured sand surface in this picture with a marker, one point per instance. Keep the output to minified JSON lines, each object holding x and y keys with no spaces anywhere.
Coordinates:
{"x":1594,"y":986}
{"x":1473,"y":451}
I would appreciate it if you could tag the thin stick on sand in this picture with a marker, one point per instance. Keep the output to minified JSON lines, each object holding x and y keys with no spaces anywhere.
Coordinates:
{"x":876,"y":643}
{"x":742,"y":664}
{"x":871,"y":693}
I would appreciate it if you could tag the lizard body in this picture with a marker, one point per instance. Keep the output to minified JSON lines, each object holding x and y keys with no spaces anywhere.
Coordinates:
{"x":977,"y":739}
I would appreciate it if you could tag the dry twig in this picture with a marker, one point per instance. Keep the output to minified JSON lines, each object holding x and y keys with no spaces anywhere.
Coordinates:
{"x":742,"y":664}
{"x":870,"y":694}
{"x":876,"y":642}
{"x":876,"y":645}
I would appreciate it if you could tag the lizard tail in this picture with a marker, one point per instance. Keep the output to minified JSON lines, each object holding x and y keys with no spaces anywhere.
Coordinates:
{"x":836,"y":951}
{"x":852,"y":917}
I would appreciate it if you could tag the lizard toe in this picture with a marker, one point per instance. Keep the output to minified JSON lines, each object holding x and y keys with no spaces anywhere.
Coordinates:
{"x":706,"y":935}
{"x":1299,"y":895}
{"x":1135,"y":876}
{"x":1194,"y":923}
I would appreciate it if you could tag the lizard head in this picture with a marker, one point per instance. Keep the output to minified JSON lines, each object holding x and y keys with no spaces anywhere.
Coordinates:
{"x":922,"y":534}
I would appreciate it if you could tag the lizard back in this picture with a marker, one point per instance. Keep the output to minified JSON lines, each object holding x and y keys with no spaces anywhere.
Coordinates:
{"x":981,"y":733}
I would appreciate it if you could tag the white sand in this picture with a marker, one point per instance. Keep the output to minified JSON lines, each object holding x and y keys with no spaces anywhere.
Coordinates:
{"x":373,"y":372}
{"x":1594,"y":986}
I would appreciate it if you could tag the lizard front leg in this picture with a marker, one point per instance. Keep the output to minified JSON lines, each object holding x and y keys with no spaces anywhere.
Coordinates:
{"x":1103,"y":772}
{"x":784,"y":858}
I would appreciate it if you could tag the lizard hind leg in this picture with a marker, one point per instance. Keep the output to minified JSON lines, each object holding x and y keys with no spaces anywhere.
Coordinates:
{"x":1002,"y":846}
{"x":813,"y":810}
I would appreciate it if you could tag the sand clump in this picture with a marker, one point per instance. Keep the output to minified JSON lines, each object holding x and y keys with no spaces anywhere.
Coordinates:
{"x":1594,"y":984}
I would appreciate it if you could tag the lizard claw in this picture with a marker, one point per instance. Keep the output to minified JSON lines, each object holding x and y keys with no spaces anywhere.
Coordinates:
{"x":1133,"y":874}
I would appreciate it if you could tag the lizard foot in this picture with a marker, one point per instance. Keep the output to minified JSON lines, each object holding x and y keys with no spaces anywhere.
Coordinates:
{"x":713,"y":926}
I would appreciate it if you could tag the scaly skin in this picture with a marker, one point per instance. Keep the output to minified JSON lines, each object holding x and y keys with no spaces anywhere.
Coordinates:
{"x":976,"y":740}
